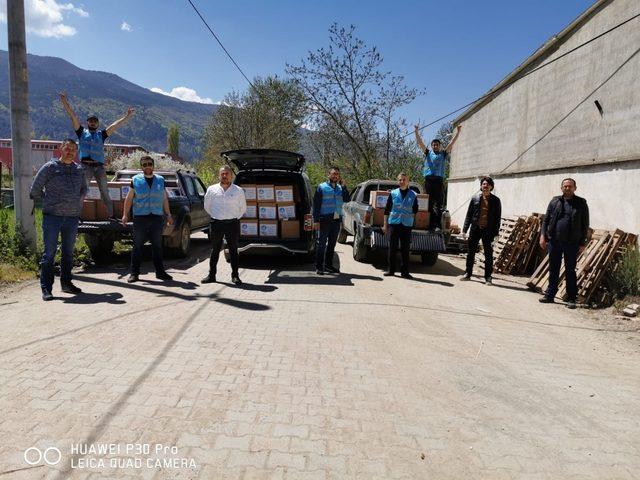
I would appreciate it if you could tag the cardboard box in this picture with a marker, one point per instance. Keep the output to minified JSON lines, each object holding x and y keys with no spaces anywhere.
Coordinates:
{"x":423,"y":202}
{"x":249,"y":192}
{"x":252,"y":210}
{"x":378,"y":217}
{"x":287,"y":211}
{"x":88,"y":210}
{"x":267,"y":211}
{"x":248,"y":228}
{"x":265,"y":193}
{"x":289,"y":229}
{"x":268,"y":228}
{"x":101,"y":210}
{"x":378,"y":198}
{"x":284,"y":194}
{"x":421,"y":221}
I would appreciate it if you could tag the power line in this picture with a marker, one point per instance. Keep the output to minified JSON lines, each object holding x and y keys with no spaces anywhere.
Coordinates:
{"x":520,"y":77}
{"x":220,"y":43}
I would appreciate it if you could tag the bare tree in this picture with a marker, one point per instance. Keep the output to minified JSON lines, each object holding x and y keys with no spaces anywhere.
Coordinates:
{"x":353,"y":102}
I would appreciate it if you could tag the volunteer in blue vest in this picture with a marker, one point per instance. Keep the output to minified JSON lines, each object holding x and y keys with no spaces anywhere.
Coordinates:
{"x":327,"y":219}
{"x":399,"y":214}
{"x":433,"y":170}
{"x":92,"y":149}
{"x":150,"y":204}
{"x":225,"y":203}
{"x":60,"y":185}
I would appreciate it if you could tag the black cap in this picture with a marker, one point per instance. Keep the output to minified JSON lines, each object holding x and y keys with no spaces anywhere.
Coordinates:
{"x":93,"y":115}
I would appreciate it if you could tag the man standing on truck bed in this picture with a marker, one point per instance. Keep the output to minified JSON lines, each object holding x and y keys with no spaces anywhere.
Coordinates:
{"x":327,"y":219}
{"x":61,"y":186}
{"x":92,"y":148}
{"x":150,"y":202}
{"x":399,"y":214}
{"x":433,"y":170}
{"x":226,"y":204}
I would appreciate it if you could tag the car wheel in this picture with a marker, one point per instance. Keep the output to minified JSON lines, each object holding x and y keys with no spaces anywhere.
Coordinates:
{"x":429,"y":258}
{"x":100,"y":246}
{"x":184,"y":240}
{"x":342,"y":236}
{"x":360,"y":250}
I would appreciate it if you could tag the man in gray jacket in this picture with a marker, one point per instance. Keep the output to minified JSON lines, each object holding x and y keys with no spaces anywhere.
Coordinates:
{"x":60,"y":185}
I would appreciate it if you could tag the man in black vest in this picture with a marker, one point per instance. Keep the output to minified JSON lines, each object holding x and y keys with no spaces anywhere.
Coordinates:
{"x":483,"y":216}
{"x":564,"y":231}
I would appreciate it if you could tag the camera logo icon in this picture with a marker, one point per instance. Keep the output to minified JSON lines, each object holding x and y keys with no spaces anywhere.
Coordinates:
{"x":51,"y":456}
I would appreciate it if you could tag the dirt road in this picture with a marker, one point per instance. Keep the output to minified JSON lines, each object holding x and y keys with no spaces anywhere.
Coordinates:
{"x":298,"y":376}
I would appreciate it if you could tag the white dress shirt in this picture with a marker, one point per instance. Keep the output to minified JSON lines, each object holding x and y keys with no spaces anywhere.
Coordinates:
{"x":223,"y":204}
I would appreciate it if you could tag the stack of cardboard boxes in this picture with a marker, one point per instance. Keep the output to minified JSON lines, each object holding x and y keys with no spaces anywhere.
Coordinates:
{"x":94,"y":209}
{"x":271,"y":212}
{"x":378,"y":200}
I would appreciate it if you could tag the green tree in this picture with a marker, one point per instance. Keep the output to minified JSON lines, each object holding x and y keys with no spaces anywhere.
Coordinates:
{"x":173,"y":139}
{"x":269,"y":114}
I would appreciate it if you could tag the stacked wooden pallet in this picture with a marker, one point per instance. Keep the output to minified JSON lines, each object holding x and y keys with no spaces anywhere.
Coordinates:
{"x":515,"y":250}
{"x":601,"y":256}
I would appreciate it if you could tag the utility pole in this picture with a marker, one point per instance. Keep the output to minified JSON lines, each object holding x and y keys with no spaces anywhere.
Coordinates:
{"x":20,"y":130}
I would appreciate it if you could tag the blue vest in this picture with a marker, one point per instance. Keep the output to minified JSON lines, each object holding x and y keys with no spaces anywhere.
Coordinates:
{"x":331,"y":199}
{"x":148,"y":201}
{"x":434,"y":163}
{"x":92,"y":145}
{"x":402,"y":208}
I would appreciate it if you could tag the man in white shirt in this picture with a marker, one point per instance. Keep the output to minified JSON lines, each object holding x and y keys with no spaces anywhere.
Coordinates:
{"x":226,"y":204}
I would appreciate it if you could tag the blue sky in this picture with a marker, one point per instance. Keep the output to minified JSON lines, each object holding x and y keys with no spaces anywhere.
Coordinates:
{"x":454,"y":50}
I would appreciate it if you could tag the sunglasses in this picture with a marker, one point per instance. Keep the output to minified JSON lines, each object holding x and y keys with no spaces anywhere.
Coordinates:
{"x":147,"y":164}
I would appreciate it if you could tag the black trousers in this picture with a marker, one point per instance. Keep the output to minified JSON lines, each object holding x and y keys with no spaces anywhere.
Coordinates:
{"x":557,"y":250}
{"x":326,"y":241}
{"x":147,"y":227}
{"x":434,"y":186}
{"x":230,"y":231}
{"x":403,"y":235}
{"x":475,"y":235}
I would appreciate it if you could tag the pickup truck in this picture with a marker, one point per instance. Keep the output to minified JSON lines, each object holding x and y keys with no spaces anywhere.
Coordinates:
{"x":186,"y":203}
{"x":357,"y":216}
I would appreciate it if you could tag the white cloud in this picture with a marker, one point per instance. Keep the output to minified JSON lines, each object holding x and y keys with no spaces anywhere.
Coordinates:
{"x":125,"y":27}
{"x":45,"y":18}
{"x":183,"y":93}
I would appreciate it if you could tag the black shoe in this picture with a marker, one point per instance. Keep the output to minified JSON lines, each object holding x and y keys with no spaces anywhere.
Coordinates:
{"x":571,"y":305}
{"x":164,"y":276}
{"x":406,"y":275}
{"x":331,"y":269}
{"x":488,"y":281}
{"x":546,"y":299}
{"x":211,"y":278}
{"x":132,"y":278}
{"x":388,"y":274}
{"x":319,"y":271}
{"x":466,"y":277}
{"x":46,"y":295}
{"x":70,"y":288}
{"x":236,"y":280}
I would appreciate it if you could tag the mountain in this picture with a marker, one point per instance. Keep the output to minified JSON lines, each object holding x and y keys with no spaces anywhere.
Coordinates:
{"x":108,"y":96}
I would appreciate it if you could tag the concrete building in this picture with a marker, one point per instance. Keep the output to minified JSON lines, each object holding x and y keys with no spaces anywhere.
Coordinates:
{"x":577,"y":117}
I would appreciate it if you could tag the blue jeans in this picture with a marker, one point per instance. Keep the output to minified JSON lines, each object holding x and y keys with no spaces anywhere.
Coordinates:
{"x":570,"y":252}
{"x":52,"y":227}
{"x":326,"y":242}
{"x":97,"y":171}
{"x":147,"y":227}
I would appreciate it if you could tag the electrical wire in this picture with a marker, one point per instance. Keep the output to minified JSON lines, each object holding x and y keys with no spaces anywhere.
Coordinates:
{"x":220,"y":43}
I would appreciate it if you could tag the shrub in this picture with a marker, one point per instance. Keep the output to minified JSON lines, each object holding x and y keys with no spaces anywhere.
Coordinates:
{"x":625,"y":279}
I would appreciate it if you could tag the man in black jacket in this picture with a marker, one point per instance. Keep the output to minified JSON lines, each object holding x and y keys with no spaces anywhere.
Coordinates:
{"x":483,"y":216}
{"x":564,"y":231}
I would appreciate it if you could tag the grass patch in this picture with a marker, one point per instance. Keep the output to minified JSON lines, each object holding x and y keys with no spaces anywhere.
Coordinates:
{"x":10,"y":273}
